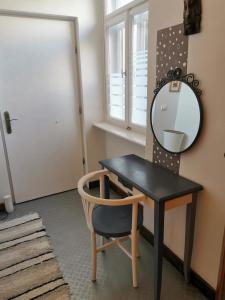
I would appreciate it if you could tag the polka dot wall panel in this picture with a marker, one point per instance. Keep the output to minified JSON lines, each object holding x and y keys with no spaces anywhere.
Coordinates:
{"x":172,"y":52}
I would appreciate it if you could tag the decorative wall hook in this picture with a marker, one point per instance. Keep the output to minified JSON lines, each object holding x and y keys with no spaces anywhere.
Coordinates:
{"x":192,"y":16}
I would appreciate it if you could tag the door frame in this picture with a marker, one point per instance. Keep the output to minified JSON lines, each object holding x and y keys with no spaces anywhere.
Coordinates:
{"x":220,"y":295}
{"x":74,"y":21}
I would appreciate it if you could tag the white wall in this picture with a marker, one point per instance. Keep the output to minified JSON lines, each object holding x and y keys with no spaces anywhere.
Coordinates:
{"x":116,"y":146}
{"x":90,"y":15}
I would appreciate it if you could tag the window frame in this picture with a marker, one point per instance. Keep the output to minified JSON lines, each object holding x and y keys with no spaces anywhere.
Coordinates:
{"x":124,"y":14}
{"x":114,"y":21}
{"x":122,"y":9}
{"x":137,"y":10}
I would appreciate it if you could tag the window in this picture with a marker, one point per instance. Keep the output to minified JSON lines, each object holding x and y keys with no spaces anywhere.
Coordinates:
{"x":126,"y":67}
{"x":116,"y":65}
{"x":139,"y":67}
{"x":112,"y":5}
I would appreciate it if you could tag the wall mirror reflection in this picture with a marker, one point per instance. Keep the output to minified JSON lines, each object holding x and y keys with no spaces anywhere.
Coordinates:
{"x":176,"y":113}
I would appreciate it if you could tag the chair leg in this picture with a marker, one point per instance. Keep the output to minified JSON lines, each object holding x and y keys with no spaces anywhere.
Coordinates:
{"x":138,"y":250}
{"x":134,"y":258}
{"x":94,"y":256}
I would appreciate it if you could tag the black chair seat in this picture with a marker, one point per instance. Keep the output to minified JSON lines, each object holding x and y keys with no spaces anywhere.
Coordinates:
{"x":114,"y":221}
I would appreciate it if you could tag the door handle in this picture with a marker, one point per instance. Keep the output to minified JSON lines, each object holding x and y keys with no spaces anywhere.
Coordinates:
{"x":8,"y":122}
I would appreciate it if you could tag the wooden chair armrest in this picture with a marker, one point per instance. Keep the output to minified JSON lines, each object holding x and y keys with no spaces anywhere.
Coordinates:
{"x":101,"y":201}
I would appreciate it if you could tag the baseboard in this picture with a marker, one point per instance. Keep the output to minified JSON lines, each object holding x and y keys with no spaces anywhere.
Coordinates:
{"x":196,"y":280}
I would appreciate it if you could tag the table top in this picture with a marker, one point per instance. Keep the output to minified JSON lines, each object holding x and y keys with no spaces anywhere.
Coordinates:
{"x":154,"y":181}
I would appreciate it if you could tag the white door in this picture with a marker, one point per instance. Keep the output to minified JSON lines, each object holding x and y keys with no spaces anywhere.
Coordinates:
{"x":39,"y":88}
{"x":4,"y":179}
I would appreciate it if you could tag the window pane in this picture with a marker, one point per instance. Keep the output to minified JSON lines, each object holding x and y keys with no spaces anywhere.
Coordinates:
{"x":116,"y":69}
{"x":115,"y":4}
{"x":139,"y":68}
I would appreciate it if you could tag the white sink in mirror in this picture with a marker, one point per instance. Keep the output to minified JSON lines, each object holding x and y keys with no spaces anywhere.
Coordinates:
{"x":172,"y":140}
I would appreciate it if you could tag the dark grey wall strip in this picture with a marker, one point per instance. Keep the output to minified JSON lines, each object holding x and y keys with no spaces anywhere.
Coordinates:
{"x":172,"y":52}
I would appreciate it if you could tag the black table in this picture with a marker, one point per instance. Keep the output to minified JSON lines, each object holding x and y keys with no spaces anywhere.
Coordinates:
{"x":164,"y":190}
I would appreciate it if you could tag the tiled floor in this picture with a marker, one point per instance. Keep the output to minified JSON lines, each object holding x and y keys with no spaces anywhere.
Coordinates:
{"x":64,"y":219}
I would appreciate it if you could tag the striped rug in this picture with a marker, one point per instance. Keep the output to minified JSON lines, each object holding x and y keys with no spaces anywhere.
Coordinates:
{"x":28,"y":267}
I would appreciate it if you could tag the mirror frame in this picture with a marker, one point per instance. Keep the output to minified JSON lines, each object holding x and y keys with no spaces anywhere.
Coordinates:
{"x":189,"y":79}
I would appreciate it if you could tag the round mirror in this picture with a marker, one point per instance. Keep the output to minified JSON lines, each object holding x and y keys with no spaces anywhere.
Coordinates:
{"x":176,"y":116}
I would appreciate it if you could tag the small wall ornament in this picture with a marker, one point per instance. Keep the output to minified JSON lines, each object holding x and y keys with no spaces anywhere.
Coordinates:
{"x":192,"y":16}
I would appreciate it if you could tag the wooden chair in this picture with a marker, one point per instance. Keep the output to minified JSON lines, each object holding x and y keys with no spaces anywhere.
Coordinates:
{"x":115,"y":219}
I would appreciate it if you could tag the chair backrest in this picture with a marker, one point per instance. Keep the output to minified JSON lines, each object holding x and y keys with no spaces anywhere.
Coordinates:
{"x":90,"y":201}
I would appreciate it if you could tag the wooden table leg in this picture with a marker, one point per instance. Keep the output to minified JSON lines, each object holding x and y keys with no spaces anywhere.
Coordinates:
{"x":159,"y":214}
{"x":189,"y":235}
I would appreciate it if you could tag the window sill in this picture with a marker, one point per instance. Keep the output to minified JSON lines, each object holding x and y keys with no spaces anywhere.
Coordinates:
{"x":134,"y":137}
